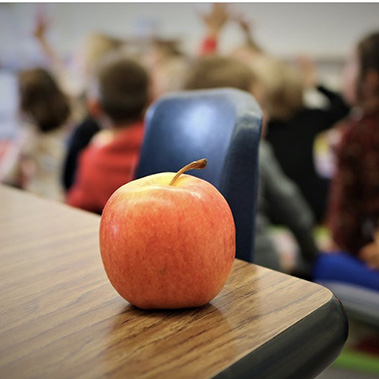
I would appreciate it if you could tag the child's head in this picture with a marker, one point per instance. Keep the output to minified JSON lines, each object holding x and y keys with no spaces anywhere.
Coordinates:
{"x":278,"y":87}
{"x":122,"y":89}
{"x":216,"y":72}
{"x":167,"y":66}
{"x":41,"y":100}
{"x":361,"y":76}
{"x":97,"y":46}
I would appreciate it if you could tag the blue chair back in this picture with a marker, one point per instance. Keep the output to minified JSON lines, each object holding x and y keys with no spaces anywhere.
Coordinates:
{"x":221,"y":125}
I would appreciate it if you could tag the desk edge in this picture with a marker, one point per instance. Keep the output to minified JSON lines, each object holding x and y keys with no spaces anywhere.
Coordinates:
{"x":309,"y":340}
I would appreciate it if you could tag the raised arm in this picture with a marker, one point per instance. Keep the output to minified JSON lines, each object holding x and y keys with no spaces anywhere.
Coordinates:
{"x":214,"y":22}
{"x":336,"y":108}
{"x":39,"y":34}
{"x":246,"y":27}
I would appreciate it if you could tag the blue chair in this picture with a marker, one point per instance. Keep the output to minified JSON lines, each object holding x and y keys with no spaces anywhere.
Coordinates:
{"x":222,"y":125}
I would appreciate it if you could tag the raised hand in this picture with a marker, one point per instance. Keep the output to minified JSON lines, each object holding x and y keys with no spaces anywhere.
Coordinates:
{"x":247,"y":27}
{"x":215,"y":19}
{"x":308,"y":71}
{"x":245,"y":24}
{"x":41,"y":27}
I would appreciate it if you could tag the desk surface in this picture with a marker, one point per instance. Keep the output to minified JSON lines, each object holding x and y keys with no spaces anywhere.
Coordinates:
{"x":60,"y":317}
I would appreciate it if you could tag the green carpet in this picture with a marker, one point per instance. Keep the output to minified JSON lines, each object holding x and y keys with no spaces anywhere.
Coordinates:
{"x":354,"y":360}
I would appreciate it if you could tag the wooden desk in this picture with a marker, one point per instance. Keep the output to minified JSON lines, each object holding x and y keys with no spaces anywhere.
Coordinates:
{"x":61,"y":318}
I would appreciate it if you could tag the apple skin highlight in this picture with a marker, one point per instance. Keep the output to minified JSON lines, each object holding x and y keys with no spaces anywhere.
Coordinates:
{"x":167,"y":246}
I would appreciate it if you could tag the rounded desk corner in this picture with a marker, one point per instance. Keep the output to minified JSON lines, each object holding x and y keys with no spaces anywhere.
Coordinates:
{"x":326,"y":328}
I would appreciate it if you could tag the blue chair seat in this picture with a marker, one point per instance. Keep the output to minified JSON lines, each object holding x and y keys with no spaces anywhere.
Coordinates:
{"x":356,"y":285}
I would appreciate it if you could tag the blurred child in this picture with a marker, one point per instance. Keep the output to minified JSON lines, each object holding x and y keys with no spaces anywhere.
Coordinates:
{"x":354,"y":201}
{"x":120,"y":96}
{"x":276,"y":192}
{"x":167,"y":66}
{"x":293,"y":127}
{"x":37,"y":163}
{"x":94,"y":47}
{"x":73,"y":79}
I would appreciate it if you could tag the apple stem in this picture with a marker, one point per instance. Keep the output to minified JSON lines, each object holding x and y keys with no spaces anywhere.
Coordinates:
{"x":196,"y":165}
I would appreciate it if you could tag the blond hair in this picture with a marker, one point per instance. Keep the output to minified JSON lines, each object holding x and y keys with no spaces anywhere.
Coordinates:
{"x":278,"y":87}
{"x":215,"y":71}
{"x":96,"y":46}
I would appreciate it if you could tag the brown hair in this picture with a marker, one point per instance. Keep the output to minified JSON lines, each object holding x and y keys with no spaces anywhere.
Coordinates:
{"x":42,"y":100}
{"x":123,"y":86}
{"x":368,"y":54}
{"x":215,"y":71}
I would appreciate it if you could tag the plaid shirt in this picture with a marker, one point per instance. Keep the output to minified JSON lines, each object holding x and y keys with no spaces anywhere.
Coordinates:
{"x":354,"y":197}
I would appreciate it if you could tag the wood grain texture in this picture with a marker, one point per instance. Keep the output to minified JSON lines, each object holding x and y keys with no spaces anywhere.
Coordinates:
{"x":60,"y":317}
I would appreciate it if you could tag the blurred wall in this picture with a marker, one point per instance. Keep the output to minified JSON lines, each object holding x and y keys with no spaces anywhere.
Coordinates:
{"x":326,"y":30}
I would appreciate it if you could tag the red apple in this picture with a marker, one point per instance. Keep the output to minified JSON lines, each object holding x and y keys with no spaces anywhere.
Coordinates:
{"x":168,"y":240}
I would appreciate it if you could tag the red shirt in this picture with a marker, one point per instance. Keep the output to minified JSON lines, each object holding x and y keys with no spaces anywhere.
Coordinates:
{"x":354,"y":198}
{"x":208,"y":46}
{"x":104,"y":167}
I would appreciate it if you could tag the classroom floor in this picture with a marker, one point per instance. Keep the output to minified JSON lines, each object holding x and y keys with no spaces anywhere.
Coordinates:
{"x":338,"y":373}
{"x":360,"y":357}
